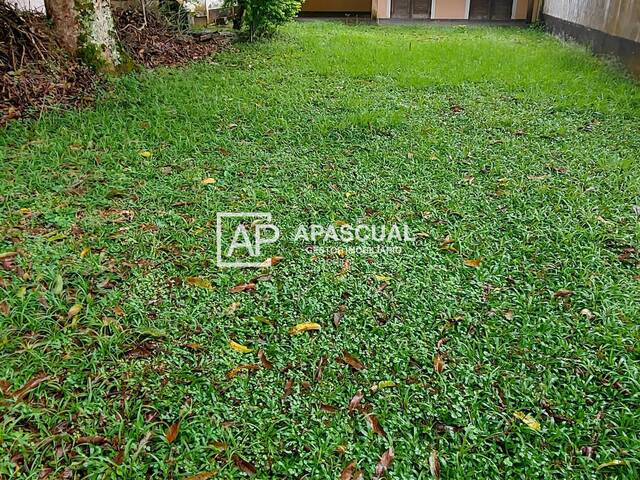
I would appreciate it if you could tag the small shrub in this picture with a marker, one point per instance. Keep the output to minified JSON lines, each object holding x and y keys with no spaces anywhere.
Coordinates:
{"x":262,"y":17}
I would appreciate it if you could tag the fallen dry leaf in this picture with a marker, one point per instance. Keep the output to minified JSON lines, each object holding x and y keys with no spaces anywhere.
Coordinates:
{"x":344,"y":269}
{"x":373,"y":422}
{"x":562,"y":293}
{"x":236,"y":370}
{"x":354,"y":403}
{"x":612,"y":463}
{"x":208,"y":181}
{"x":199,"y":282}
{"x":303,"y":327}
{"x":73,"y":311}
{"x":202,"y":476}
{"x":239,"y":347}
{"x":585,"y":312}
{"x":322,"y":362}
{"x":350,"y":360}
{"x":270,"y":262}
{"x":172,"y":432}
{"x":4,"y":308}
{"x":434,"y":464}
{"x":383,"y":384}
{"x":85,"y":251}
{"x":339,"y":315}
{"x":288,"y":386}
{"x":347,"y":472}
{"x":528,"y":420}
{"x":264,"y":360}
{"x":92,"y":440}
{"x":438,"y":363}
{"x":508,"y":315}
{"x":325,"y":407}
{"x":383,"y":464}
{"x":473,"y":262}
{"x":30,"y":385}
{"x":243,"y":465}
{"x":243,"y":287}
{"x":145,"y":153}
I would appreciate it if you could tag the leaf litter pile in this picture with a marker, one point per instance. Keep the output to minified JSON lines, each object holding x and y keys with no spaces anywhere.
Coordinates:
{"x":37,"y":75}
{"x":500,"y":342}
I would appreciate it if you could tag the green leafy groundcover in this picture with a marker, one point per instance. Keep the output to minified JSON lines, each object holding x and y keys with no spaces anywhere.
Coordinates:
{"x":502,"y":343}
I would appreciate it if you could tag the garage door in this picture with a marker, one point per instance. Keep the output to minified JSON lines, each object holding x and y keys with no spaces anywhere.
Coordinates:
{"x":490,"y":9}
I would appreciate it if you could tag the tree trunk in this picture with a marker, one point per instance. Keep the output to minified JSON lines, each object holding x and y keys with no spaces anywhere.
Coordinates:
{"x":85,"y":28}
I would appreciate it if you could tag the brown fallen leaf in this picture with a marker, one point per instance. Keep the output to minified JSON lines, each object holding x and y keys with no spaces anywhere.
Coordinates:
{"x":472,"y":262}
{"x":373,"y":422}
{"x":194,"y":346}
{"x":270,"y":262}
{"x":438,"y":363}
{"x":264,"y":360}
{"x":202,"y":476}
{"x":92,"y":440}
{"x":322,"y":362}
{"x":243,"y":287}
{"x":347,"y":472}
{"x":172,"y":432}
{"x":208,"y":181}
{"x":350,"y":360}
{"x":243,"y":465}
{"x":434,"y":464}
{"x":199,"y":282}
{"x":236,"y":370}
{"x":288,"y":386}
{"x":325,"y":407}
{"x":303,"y":327}
{"x":354,"y":403}
{"x":30,"y":385}
{"x":344,"y":269}
{"x":4,"y":308}
{"x":339,"y":315}
{"x":562,"y":293}
{"x":383,"y":464}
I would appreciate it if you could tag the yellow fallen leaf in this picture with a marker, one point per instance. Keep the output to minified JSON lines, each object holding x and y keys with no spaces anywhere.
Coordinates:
{"x":303,"y":327}
{"x":612,"y":463}
{"x":202,"y":475}
{"x":208,"y":181}
{"x":382,"y":278}
{"x":85,"y":251}
{"x":73,"y":311}
{"x":199,"y":282}
{"x":239,"y":348}
{"x":528,"y":420}
{"x":145,"y":153}
{"x":473,"y":262}
{"x":383,"y":384}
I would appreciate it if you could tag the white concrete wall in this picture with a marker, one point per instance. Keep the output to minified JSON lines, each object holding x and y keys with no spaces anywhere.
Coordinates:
{"x":615,"y":17}
{"x":34,"y":5}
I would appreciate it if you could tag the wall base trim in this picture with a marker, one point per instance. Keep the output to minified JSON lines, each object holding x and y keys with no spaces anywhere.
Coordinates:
{"x":600,"y":42}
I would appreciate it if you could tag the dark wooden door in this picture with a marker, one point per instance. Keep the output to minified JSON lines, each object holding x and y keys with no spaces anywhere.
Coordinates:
{"x":490,"y":9}
{"x":411,"y":8}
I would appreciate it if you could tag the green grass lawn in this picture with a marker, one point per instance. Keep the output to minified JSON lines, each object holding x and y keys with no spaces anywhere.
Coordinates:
{"x":502,"y":145}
